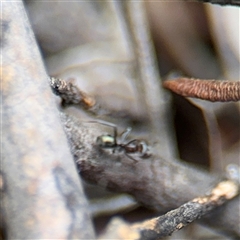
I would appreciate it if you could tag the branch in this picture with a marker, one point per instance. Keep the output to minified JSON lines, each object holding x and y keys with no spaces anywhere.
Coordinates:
{"x":70,"y":94}
{"x":211,"y":90}
{"x":174,"y":220}
{"x":42,"y":197}
{"x":157,"y":183}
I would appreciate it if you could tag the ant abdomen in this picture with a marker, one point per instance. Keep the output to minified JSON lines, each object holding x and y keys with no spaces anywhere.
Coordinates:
{"x":137,"y":146}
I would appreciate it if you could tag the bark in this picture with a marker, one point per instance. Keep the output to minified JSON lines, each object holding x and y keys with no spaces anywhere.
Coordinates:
{"x":160,"y":184}
{"x":165,"y":225}
{"x":42,"y":196}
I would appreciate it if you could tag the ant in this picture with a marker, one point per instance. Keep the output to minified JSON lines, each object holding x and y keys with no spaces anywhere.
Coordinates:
{"x":110,"y":141}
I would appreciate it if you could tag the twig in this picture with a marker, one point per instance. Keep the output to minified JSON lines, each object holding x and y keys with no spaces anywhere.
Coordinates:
{"x":70,"y":93}
{"x":155,"y":100}
{"x":211,"y":90}
{"x":175,"y":220}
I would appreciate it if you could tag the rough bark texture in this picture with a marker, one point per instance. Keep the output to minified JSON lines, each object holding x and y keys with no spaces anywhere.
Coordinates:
{"x":165,"y":225}
{"x":42,"y":196}
{"x":211,"y":90}
{"x":155,"y":182}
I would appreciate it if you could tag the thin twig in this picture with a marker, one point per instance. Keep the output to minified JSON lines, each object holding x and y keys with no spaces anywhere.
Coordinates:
{"x":70,"y":93}
{"x":176,"y":219}
{"x":211,"y":90}
{"x":155,"y":100}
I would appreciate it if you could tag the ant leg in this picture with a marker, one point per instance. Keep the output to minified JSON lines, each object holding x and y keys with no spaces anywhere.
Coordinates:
{"x":125,"y":134}
{"x":134,"y":140}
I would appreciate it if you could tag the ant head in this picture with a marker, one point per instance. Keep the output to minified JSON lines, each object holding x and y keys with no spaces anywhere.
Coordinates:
{"x":106,"y":141}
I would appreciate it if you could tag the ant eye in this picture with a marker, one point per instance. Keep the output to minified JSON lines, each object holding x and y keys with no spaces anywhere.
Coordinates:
{"x":106,"y":141}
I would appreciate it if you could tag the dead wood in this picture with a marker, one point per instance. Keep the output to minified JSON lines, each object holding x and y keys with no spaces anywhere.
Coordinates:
{"x":165,"y":225}
{"x":155,"y":182}
{"x":42,"y":196}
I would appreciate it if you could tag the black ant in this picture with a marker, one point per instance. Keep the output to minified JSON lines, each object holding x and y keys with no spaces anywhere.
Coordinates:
{"x":110,"y":141}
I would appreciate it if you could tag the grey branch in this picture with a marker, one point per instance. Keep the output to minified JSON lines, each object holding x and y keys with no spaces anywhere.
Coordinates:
{"x":176,"y":219}
{"x":41,"y":195}
{"x":187,"y":213}
{"x":157,"y":183}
